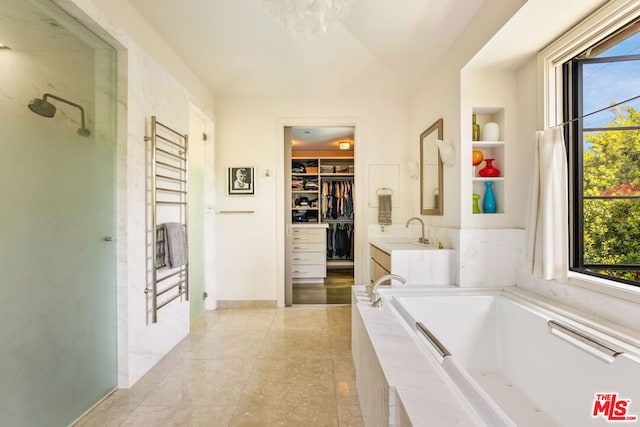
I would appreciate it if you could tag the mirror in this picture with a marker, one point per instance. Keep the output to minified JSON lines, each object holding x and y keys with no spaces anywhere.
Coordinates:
{"x":431,"y":185}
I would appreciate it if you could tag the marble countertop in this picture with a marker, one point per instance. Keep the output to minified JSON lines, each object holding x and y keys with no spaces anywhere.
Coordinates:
{"x":428,"y":396}
{"x":389,"y":245}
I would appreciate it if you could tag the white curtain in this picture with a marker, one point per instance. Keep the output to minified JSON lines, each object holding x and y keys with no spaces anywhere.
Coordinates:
{"x":546,"y":252}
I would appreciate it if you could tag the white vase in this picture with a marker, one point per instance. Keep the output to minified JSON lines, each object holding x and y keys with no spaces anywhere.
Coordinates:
{"x":490,"y":132}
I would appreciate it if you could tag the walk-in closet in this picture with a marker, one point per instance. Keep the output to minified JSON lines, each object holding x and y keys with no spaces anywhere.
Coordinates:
{"x":322,"y":192}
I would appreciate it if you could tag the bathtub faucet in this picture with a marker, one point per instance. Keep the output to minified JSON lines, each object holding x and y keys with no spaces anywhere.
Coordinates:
{"x":422,"y":238}
{"x":376,"y":300}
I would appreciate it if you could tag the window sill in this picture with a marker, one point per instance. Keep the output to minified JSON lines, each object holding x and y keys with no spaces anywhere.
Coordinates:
{"x":604,"y":286}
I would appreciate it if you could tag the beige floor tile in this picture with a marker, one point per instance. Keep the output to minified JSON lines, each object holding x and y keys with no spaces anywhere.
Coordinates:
{"x":296,"y":344}
{"x":345,"y":381}
{"x":245,"y":319}
{"x":340,"y":317}
{"x":341,"y":345}
{"x":202,"y":383}
{"x":350,"y":416}
{"x":227,"y":344}
{"x":206,"y":320}
{"x":286,"y":415}
{"x":105,"y":417}
{"x":187,"y":416}
{"x":247,"y":367}
{"x":308,"y":319}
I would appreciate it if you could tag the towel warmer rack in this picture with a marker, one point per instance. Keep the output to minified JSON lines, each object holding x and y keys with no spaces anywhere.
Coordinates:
{"x":169,"y":180}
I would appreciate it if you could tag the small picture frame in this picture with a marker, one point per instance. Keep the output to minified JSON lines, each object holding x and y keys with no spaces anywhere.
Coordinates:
{"x":240,"y":180}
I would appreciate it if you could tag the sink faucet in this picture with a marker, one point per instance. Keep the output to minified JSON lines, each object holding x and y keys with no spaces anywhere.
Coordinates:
{"x":420,"y":239}
{"x":376,"y":300}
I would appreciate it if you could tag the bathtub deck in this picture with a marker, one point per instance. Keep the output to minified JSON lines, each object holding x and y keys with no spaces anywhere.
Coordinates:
{"x":522,"y":410}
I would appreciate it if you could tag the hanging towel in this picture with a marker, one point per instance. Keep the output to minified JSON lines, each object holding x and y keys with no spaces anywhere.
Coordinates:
{"x":384,"y":209}
{"x":175,"y":251}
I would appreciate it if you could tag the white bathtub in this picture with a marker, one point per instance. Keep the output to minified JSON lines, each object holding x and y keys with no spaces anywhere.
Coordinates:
{"x":514,"y":368}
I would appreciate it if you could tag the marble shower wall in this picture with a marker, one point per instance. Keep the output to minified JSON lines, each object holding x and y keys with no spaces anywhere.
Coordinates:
{"x":151,"y":91}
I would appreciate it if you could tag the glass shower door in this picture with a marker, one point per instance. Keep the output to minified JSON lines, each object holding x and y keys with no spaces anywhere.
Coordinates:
{"x":57,"y":218}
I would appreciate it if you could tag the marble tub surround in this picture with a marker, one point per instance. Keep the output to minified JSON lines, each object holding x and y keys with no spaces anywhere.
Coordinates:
{"x":247,"y":367}
{"x":490,"y":258}
{"x":392,"y":370}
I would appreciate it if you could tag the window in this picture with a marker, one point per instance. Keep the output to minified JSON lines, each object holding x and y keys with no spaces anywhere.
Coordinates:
{"x":604,"y":157}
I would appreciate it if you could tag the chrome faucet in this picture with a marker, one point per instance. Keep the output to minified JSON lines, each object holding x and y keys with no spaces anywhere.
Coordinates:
{"x":420,"y":239}
{"x":376,"y":300}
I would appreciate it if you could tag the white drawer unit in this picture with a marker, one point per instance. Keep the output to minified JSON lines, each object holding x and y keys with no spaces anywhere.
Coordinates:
{"x":309,"y":253}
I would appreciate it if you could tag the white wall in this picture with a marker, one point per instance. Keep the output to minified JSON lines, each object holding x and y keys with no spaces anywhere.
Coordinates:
{"x":162,"y":86}
{"x":249,"y":132}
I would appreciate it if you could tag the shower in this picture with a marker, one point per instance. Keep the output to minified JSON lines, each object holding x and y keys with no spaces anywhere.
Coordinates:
{"x":44,"y":108}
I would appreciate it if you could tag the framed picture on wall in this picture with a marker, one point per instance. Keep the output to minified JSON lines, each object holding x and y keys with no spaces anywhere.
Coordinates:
{"x":240,"y":180}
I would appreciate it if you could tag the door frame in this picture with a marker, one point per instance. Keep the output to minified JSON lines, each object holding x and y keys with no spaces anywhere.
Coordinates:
{"x":283,"y":217}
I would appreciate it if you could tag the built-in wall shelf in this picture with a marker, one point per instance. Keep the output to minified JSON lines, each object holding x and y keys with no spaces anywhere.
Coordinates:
{"x":491,"y":149}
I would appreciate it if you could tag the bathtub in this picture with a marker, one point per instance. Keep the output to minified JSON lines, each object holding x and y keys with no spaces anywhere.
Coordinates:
{"x":522,"y":362}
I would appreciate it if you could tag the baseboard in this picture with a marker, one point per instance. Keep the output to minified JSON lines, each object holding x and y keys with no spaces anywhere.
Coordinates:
{"x":226,"y":304}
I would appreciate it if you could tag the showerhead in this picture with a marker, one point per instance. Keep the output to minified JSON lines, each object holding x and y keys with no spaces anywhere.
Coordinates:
{"x":44,"y":108}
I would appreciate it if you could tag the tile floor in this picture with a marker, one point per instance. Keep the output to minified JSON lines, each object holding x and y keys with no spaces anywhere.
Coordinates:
{"x":247,"y":367}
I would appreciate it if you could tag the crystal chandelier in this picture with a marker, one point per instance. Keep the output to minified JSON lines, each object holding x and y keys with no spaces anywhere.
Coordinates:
{"x":308,"y":20}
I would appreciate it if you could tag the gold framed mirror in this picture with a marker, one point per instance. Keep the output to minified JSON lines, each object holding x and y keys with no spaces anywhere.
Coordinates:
{"x":431,"y":180}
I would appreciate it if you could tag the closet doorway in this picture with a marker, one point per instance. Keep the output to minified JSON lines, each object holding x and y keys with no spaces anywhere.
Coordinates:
{"x":320,"y":226}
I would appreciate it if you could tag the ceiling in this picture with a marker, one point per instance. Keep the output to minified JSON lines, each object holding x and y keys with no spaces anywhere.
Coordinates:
{"x":236,"y":48}
{"x":326,"y":138}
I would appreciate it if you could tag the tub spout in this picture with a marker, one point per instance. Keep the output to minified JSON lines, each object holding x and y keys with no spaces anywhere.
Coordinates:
{"x":376,"y":300}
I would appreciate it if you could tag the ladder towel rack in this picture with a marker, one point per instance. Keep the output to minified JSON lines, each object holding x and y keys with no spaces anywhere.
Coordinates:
{"x":169,"y":180}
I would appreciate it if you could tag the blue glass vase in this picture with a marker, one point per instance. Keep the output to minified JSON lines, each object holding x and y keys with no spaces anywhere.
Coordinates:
{"x":489,"y":203}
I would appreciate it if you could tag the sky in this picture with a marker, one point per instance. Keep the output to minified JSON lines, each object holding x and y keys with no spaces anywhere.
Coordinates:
{"x":607,"y":83}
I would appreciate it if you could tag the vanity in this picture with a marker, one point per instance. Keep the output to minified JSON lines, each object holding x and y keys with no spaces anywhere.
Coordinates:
{"x":420,"y":264}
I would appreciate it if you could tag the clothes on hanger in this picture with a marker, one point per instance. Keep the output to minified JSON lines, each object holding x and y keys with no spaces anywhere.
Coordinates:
{"x":337,"y":199}
{"x":340,"y":241}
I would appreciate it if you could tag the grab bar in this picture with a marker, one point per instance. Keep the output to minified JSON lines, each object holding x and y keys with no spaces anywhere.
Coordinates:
{"x":432,"y":339}
{"x":586,"y":343}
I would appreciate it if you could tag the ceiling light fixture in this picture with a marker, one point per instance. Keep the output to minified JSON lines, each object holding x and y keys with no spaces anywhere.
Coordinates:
{"x":4,"y":46}
{"x":308,"y":20}
{"x":344,"y":145}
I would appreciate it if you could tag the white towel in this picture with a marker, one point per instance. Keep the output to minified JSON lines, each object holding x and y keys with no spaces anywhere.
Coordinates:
{"x":384,"y":209}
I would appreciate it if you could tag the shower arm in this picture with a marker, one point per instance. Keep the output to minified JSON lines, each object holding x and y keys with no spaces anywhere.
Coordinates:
{"x":57,"y":98}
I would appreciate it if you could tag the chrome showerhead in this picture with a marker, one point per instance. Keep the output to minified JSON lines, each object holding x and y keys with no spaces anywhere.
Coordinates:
{"x":44,"y":108}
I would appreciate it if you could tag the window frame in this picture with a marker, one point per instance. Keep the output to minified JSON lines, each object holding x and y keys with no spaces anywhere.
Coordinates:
{"x":572,"y":107}
{"x":609,"y":18}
